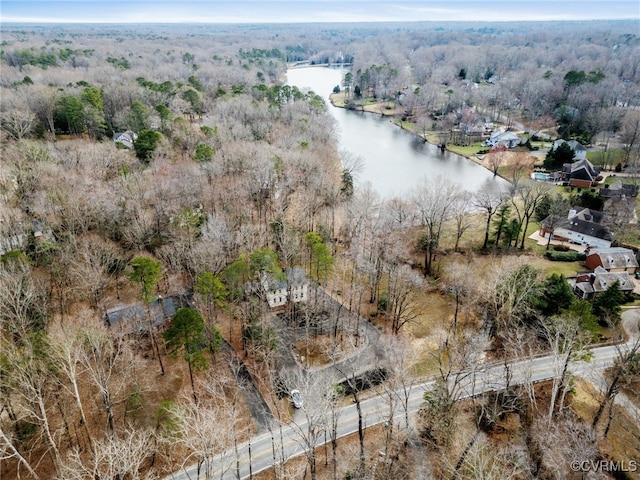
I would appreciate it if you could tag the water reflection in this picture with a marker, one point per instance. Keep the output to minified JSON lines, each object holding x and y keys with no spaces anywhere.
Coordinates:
{"x":394,"y":160}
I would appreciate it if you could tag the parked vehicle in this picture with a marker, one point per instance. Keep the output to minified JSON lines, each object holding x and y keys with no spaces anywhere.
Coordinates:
{"x":296,"y":398}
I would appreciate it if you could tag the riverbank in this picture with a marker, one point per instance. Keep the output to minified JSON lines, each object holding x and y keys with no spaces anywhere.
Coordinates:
{"x":502,"y":163}
{"x":393,"y":161}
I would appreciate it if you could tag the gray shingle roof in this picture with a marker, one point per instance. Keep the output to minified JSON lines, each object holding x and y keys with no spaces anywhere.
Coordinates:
{"x":600,"y":280}
{"x":615,"y":257}
{"x":619,"y":189}
{"x":588,"y":222}
{"x":160,"y":310}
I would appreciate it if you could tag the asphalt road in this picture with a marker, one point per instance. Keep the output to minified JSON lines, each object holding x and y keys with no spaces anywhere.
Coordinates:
{"x":485,"y":379}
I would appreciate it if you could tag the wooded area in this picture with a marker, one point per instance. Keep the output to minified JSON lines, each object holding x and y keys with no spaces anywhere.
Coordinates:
{"x":182,"y":243}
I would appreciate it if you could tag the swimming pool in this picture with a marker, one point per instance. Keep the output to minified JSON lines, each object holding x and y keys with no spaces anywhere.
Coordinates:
{"x":540,"y":176}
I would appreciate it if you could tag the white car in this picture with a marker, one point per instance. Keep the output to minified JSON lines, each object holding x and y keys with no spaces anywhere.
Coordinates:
{"x":296,"y":398}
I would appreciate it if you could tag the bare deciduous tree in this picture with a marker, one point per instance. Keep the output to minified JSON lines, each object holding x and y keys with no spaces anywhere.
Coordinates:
{"x":556,"y":447}
{"x":9,"y":450}
{"x":558,"y":211}
{"x":459,"y":282}
{"x":625,"y":369}
{"x":401,"y":360}
{"x":568,"y":342}
{"x":525,"y":198}
{"x":434,"y":199}
{"x":509,"y":292}
{"x":488,"y":199}
{"x":317,"y":399}
{"x":404,"y":287}
{"x":485,"y":461}
{"x":22,"y":299}
{"x":108,"y":362}
{"x":461,"y":210}
{"x":26,"y":380}
{"x":115,"y":456}
{"x":202,"y":430}
{"x":67,"y":347}
{"x":18,"y":123}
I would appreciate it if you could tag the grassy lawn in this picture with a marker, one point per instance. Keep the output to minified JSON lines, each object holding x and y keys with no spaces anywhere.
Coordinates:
{"x":542,"y":145}
{"x":609,"y":158}
{"x":474,"y":237}
{"x":466,"y":151}
{"x":630,"y":235}
{"x":409,"y":126}
{"x":426,"y":363}
{"x":432,"y":138}
{"x":568,"y":269}
{"x":613,"y":179}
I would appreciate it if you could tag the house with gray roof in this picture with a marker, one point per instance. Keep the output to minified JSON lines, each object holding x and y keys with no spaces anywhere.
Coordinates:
{"x":619,"y":190}
{"x":292,"y":288}
{"x":614,"y":259}
{"x":582,"y":226}
{"x":580,"y":152}
{"x":135,"y":317}
{"x":589,"y":285}
{"x":126,"y":138}
{"x":580,"y":173}
{"x":508,"y":139}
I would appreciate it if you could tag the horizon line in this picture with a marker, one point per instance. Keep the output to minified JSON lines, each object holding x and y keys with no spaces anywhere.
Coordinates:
{"x":295,"y":22}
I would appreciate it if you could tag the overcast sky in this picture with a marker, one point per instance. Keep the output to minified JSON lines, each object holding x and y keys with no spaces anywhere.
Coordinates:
{"x":269,"y":11}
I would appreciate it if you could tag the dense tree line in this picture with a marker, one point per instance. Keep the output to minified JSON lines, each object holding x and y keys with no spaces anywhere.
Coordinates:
{"x":220,"y":152}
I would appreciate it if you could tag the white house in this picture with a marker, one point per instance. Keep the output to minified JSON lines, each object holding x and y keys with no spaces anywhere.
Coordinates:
{"x":11,"y":242}
{"x":508,"y":139}
{"x":16,"y":237}
{"x":582,"y":226}
{"x":126,"y":138}
{"x":293,"y":288}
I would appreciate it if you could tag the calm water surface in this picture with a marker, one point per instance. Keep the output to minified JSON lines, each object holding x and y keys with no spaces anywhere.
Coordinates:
{"x":394,"y":160}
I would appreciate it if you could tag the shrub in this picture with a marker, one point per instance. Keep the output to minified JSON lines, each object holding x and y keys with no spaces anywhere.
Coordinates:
{"x":570,"y":256}
{"x":204,"y":153}
{"x":145,"y":144}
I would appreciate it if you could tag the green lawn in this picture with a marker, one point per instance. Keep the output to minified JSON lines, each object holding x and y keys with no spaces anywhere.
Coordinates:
{"x":568,"y":269}
{"x":542,"y":145}
{"x":613,"y":178}
{"x":466,"y":151}
{"x":610,"y":158}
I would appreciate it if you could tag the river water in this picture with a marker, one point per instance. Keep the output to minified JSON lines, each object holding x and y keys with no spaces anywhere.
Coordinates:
{"x":393,"y":160}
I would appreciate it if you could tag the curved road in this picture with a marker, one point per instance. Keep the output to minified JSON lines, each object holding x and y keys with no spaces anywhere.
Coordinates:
{"x":375,"y":409}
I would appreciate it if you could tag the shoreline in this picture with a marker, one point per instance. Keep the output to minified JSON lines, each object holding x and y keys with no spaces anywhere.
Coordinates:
{"x":393,"y":114}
